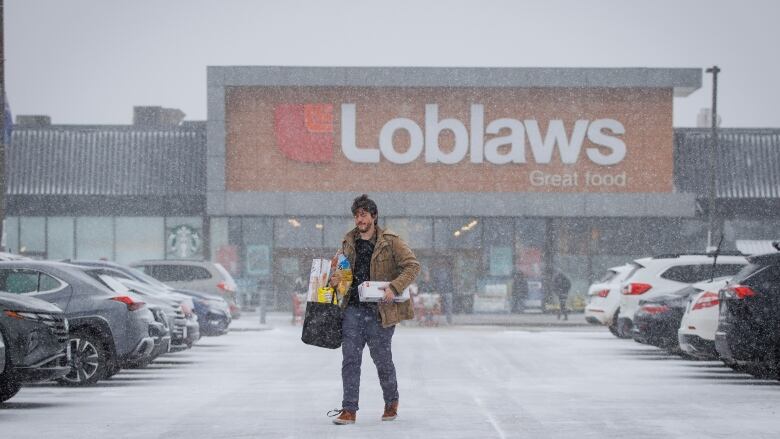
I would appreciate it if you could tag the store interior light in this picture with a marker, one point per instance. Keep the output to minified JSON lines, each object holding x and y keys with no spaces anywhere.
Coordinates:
{"x":457,"y":233}
{"x":467,"y":227}
{"x":318,"y":226}
{"x":294,"y":222}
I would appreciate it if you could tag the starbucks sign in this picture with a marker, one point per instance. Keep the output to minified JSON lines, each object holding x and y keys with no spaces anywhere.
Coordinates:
{"x":184,"y":242}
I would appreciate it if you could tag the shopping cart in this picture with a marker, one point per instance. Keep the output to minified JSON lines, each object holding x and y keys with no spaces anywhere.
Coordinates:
{"x":298,"y":307}
{"x":427,"y":308}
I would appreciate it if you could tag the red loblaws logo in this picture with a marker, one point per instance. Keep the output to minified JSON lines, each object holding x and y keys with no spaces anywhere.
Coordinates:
{"x":304,"y":132}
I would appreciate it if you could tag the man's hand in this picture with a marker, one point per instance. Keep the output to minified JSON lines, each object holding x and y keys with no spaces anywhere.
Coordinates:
{"x":389,"y":295}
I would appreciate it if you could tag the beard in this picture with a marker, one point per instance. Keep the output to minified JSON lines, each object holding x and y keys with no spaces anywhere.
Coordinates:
{"x":363,"y":228}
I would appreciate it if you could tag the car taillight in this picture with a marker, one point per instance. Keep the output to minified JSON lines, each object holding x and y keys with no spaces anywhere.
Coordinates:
{"x":132,"y":304}
{"x":226,"y":287}
{"x":655,"y":309}
{"x":741,"y":291}
{"x":636,"y":288}
{"x":603,"y":293}
{"x":707,"y":300}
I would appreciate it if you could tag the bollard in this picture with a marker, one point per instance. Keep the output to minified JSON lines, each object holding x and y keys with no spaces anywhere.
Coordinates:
{"x":262,"y":305}
{"x":448,"y":302}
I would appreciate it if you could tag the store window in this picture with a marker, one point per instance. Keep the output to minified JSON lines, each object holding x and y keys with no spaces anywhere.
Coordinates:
{"x":139,"y":238}
{"x":59,"y":237}
{"x":494,"y":280}
{"x":299,"y":232}
{"x":32,"y":236}
{"x":335,"y":229}
{"x":258,"y":236}
{"x":11,"y":234}
{"x":530,"y":238}
{"x":95,"y":238}
{"x":456,"y":264}
{"x":417,"y":232}
{"x":183,"y":237}
{"x":457,"y":233}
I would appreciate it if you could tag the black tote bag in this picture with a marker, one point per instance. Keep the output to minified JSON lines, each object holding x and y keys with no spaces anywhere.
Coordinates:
{"x":322,"y":325}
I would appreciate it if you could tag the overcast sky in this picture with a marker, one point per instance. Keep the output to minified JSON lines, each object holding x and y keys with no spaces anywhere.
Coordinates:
{"x":91,"y":61}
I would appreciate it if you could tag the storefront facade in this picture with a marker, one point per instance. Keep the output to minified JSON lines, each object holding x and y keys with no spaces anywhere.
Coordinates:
{"x":485,"y":172}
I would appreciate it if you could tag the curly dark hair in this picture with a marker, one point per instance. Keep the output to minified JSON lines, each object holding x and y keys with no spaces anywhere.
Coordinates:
{"x":367,"y":204}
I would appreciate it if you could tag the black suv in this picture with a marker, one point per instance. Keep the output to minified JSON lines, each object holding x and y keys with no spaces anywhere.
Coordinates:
{"x":748,"y":335}
{"x":35,"y":335}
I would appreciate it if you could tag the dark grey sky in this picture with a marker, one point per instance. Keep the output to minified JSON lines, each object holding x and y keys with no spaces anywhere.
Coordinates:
{"x":90,"y":61}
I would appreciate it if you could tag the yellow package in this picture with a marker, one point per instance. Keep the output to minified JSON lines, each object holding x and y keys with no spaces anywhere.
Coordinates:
{"x":325,"y":295}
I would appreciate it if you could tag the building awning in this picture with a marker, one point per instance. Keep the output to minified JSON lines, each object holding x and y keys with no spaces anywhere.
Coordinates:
{"x":106,"y":161}
{"x":747,"y":163}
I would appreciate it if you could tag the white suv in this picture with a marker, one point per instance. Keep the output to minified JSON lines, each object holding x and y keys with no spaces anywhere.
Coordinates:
{"x":204,"y":276}
{"x":700,"y":321}
{"x":604,"y":297}
{"x":665,"y":274}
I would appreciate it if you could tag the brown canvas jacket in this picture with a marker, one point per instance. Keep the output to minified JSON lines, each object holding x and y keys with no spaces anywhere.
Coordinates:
{"x":392,"y":261}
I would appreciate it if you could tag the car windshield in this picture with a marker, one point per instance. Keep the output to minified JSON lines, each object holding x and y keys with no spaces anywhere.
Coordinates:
{"x":145,"y":278}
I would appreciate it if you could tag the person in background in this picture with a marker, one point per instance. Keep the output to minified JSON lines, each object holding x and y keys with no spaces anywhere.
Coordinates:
{"x":561,"y":286}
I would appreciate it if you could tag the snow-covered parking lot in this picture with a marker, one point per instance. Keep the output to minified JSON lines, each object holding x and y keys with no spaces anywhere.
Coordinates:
{"x":457,"y":382}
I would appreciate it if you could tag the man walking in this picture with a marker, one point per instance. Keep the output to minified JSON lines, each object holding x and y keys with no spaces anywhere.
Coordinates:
{"x":376,"y":255}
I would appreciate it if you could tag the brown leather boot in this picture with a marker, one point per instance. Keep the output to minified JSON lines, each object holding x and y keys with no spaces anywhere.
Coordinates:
{"x":391,"y":411}
{"x":344,"y":416}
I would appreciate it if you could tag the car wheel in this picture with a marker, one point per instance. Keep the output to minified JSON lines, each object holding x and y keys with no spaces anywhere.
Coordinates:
{"x":624,"y":328}
{"x":88,"y":360}
{"x":9,"y":386}
{"x":736,"y":367}
{"x":112,"y":370}
{"x":613,"y":326}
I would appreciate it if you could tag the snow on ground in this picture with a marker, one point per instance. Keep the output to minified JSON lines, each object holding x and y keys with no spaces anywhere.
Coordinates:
{"x":466,"y":382}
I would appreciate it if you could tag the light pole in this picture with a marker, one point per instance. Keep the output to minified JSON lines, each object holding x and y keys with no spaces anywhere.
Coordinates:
{"x":2,"y":117}
{"x":713,"y":150}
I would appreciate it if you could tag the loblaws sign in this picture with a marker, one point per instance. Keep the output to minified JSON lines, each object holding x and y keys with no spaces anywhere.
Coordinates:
{"x":499,"y":141}
{"x":299,"y":139}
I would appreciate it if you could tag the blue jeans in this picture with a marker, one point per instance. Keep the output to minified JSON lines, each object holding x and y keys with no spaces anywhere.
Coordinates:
{"x":361,"y":326}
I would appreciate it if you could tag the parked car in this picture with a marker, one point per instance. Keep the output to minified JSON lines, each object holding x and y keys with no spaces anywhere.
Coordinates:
{"x":5,"y":256}
{"x":604,"y":297}
{"x":657,"y":321}
{"x":186,"y":329}
{"x":696,"y":334}
{"x":213,"y":312}
{"x":180,"y":318}
{"x":209,"y":277}
{"x":33,"y":342}
{"x":164,"y":312}
{"x":748,"y":334}
{"x":105,"y":329}
{"x":665,"y":274}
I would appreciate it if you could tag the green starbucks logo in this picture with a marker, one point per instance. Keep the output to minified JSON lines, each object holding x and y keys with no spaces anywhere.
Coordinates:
{"x":184,"y":242}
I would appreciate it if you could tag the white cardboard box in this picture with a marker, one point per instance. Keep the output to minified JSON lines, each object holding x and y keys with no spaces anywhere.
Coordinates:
{"x":373,"y":291}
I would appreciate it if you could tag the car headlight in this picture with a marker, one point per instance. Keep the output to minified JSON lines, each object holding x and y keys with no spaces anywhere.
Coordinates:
{"x":34,"y":316}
